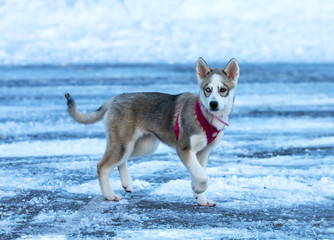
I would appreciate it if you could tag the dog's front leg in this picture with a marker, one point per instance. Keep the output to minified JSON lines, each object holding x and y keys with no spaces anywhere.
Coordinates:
{"x":201,"y":199}
{"x":198,"y":173}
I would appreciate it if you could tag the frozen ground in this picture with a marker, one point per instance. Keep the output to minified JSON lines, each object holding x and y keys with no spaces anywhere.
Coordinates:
{"x":90,"y":31}
{"x":272,"y":174}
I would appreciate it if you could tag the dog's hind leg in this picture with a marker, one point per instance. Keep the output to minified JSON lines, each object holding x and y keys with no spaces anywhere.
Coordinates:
{"x":115,"y":155}
{"x":125,"y":177}
{"x":144,"y":146}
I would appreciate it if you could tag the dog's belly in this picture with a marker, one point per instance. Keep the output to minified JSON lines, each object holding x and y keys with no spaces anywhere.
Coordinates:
{"x":145,"y":145}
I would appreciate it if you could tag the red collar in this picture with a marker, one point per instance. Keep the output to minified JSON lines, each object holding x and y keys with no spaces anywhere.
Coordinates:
{"x":210,"y":130}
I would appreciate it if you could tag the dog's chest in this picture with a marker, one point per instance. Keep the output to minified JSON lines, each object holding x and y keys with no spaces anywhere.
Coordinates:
{"x":198,"y":142}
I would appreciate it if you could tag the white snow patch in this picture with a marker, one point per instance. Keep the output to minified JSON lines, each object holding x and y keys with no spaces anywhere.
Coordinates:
{"x":281,"y":142}
{"x":20,"y":182}
{"x":275,"y":100}
{"x":150,"y":167}
{"x":197,"y":233}
{"x":44,"y":237}
{"x":53,"y":148}
{"x":270,"y":190}
{"x":281,"y":124}
{"x":83,"y":146}
{"x":45,"y":217}
{"x":7,"y":193}
{"x":180,"y":188}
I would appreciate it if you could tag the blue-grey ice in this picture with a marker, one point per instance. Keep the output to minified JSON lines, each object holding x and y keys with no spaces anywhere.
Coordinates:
{"x":271,"y":175}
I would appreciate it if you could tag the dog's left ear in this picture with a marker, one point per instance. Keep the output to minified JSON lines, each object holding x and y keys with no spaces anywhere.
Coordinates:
{"x":202,"y":69}
{"x":232,"y":69}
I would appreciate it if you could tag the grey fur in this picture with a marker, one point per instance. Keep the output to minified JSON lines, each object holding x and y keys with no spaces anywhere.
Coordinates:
{"x":86,"y":118}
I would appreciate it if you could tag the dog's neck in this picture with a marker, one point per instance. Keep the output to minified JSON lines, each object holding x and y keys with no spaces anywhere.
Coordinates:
{"x":219,"y":120}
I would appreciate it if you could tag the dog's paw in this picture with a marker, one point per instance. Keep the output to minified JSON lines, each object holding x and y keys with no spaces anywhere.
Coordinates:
{"x":128,"y":188}
{"x":113,"y":197}
{"x":203,"y":201}
{"x":207,"y":203}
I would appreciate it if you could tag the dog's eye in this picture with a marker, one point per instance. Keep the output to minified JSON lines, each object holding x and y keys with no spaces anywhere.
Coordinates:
{"x":208,"y":90}
{"x":223,"y":90}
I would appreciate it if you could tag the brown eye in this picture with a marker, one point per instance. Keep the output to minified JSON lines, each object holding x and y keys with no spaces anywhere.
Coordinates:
{"x":208,"y":90}
{"x":223,"y":90}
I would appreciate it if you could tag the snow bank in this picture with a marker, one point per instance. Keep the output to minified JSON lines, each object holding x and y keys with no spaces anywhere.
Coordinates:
{"x":174,"y":31}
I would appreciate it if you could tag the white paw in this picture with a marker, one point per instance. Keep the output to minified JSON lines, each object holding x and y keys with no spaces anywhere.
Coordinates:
{"x":208,"y":203}
{"x":113,"y":197}
{"x":203,"y":201}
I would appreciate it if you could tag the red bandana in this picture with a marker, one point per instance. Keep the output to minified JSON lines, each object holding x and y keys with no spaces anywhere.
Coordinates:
{"x":210,"y":130}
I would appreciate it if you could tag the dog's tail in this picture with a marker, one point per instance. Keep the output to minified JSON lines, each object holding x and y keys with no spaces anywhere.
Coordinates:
{"x":86,"y":118}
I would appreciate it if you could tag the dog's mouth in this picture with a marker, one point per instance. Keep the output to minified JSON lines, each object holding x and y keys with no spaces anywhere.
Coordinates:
{"x":214,"y":109}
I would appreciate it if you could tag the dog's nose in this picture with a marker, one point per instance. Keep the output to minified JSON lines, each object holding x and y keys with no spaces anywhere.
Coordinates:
{"x":213,"y":105}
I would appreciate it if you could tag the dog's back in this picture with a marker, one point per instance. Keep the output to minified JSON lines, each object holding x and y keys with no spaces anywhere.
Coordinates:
{"x":149,"y":112}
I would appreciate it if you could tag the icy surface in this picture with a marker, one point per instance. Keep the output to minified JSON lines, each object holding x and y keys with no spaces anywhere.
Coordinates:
{"x":271,"y":175}
{"x":90,"y":31}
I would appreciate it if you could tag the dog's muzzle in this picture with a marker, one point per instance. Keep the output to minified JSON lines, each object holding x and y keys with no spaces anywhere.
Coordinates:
{"x":214,"y":105}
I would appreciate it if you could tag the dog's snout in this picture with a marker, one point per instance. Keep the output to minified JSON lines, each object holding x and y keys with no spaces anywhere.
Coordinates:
{"x":214,"y":105}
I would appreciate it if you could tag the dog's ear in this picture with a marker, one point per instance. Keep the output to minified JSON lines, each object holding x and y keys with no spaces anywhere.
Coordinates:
{"x":202,"y":69}
{"x":232,"y":69}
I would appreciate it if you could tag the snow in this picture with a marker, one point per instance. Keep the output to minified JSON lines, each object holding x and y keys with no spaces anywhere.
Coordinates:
{"x":46,"y":148}
{"x":46,"y":237}
{"x":271,"y":175}
{"x":275,"y":187}
{"x":93,"y":187}
{"x":61,"y":32}
{"x":184,"y":234}
{"x":59,"y":147}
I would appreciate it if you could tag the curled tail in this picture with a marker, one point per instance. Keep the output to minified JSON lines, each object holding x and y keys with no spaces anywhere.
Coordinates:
{"x":86,"y":118}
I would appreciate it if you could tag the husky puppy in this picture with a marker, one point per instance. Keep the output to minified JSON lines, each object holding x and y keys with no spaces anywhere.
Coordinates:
{"x":192,"y":123}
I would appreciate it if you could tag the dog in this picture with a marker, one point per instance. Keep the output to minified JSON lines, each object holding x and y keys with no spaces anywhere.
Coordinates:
{"x":191,"y":123}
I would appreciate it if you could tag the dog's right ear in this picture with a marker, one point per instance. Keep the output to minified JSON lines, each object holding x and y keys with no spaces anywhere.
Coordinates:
{"x":202,"y":69}
{"x":232,"y":69}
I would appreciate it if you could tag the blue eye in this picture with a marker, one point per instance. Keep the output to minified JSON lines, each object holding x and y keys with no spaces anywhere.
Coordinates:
{"x":208,"y":90}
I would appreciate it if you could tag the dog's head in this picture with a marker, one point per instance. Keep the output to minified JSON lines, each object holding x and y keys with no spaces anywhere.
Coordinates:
{"x":217,"y":85}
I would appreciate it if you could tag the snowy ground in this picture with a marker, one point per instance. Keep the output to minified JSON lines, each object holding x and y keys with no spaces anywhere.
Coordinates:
{"x":271,"y":176}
